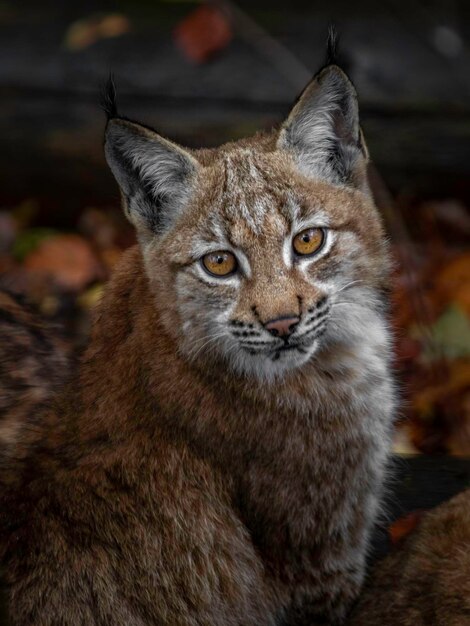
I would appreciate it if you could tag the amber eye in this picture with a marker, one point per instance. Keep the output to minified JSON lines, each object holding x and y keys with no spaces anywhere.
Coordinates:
{"x":309,"y":241}
{"x":220,"y":263}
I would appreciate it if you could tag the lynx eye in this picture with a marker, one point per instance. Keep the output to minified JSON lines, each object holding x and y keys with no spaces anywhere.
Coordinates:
{"x":309,"y":241}
{"x":220,"y":263}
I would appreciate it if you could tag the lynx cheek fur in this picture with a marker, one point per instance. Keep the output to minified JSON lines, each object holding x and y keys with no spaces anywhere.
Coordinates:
{"x":219,"y":458}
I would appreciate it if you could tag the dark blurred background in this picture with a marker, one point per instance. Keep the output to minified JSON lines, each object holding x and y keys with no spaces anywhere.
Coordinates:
{"x":206,"y":72}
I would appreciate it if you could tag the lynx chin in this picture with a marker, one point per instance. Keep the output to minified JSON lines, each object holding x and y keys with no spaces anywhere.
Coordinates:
{"x":219,"y":456}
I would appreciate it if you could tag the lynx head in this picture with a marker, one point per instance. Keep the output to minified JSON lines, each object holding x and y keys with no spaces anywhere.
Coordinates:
{"x":262,"y":252}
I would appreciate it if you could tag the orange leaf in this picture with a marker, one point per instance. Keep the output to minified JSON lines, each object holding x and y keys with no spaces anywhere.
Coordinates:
{"x":403,"y":526}
{"x":453,"y":282}
{"x":203,"y":33}
{"x":67,"y":259}
{"x":84,"y":33}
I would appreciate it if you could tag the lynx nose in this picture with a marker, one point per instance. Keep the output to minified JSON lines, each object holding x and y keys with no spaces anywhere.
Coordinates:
{"x":282,"y":326}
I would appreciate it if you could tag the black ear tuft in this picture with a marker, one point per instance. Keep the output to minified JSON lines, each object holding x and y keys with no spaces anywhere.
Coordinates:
{"x":332,"y":46}
{"x":334,"y":55}
{"x":108,"y":98}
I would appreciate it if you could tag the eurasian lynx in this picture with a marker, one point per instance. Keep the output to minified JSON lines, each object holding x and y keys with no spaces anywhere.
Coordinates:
{"x":219,"y":457}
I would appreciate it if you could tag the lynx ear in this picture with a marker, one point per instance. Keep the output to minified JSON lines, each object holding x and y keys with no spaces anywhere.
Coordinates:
{"x":153,"y":173}
{"x":322,"y":131}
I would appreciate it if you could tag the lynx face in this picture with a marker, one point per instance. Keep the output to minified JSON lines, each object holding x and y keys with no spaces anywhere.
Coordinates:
{"x":277,"y":298}
{"x":268,"y":249}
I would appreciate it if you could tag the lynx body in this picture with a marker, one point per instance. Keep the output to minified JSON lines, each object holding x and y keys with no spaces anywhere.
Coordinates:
{"x":219,"y":458}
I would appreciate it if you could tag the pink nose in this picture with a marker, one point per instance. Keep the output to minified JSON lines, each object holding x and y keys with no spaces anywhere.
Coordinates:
{"x":283,"y":326}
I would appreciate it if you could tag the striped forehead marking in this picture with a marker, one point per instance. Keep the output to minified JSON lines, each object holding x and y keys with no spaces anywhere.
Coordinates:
{"x":246,"y":194}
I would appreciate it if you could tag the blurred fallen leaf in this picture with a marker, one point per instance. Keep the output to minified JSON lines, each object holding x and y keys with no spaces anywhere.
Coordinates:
{"x":90,"y":298}
{"x":440,"y":412}
{"x":449,"y":336}
{"x":114,"y":25}
{"x":452,"y":282}
{"x":67,"y":259}
{"x":457,"y":379}
{"x":110,"y":256}
{"x":97,"y":225}
{"x":203,"y":33}
{"x":403,"y":526}
{"x":85,"y":32}
{"x":50,"y":305}
{"x":104,"y":229}
{"x":28,"y":240}
{"x":402,"y":442}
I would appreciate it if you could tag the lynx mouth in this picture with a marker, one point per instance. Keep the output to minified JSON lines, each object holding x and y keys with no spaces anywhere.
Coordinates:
{"x":287,"y":348}
{"x":301,"y":344}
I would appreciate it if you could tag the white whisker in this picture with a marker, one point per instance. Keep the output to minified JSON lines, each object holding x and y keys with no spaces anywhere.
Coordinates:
{"x":351,"y":303}
{"x":353,"y":282}
{"x":208,"y":341}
